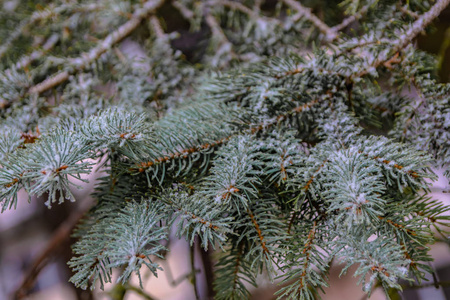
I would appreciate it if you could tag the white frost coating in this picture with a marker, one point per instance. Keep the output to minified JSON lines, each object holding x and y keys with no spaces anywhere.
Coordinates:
{"x":361,"y":198}
{"x":404,"y":271}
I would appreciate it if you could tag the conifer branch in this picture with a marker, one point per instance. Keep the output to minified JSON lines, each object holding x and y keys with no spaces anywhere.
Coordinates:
{"x":387,"y":162}
{"x":237,"y":6}
{"x":301,"y":282}
{"x":419,"y":25}
{"x":25,"y":61}
{"x":406,"y":38}
{"x":329,"y":33}
{"x":106,"y":44}
{"x":398,"y":226}
{"x":405,"y":10}
{"x":254,"y":129}
{"x":349,"y":20}
{"x":311,"y":179}
{"x":277,"y":159}
{"x":233,"y":266}
{"x":237,"y":265}
{"x":260,"y":236}
{"x":42,"y":15}
{"x":156,"y":26}
{"x":185,"y":153}
{"x":307,"y":252}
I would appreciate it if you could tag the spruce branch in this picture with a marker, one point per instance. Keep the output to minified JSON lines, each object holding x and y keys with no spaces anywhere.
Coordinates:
{"x":25,"y":61}
{"x":350,"y":19}
{"x":48,"y":12}
{"x":419,"y":25}
{"x":372,"y":263}
{"x":305,"y":12}
{"x":278,"y":158}
{"x":301,"y":282}
{"x":406,"y":38}
{"x":138,"y":222}
{"x":185,"y":12}
{"x":237,"y":6}
{"x":265,"y":235}
{"x":198,"y":218}
{"x":265,"y":251}
{"x":156,"y":26}
{"x":86,"y":58}
{"x":233,"y":266}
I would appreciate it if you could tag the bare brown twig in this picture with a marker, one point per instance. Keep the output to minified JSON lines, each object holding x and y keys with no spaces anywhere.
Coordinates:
{"x":55,"y":243}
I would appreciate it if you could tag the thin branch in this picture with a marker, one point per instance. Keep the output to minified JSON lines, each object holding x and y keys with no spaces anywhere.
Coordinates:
{"x":405,"y":10}
{"x":59,"y":237}
{"x":218,"y":32}
{"x":426,"y":285}
{"x":87,"y":58}
{"x":347,"y":21}
{"x":380,"y":160}
{"x":419,"y":25}
{"x":383,"y":59}
{"x":47,"y":13}
{"x":209,"y":273}
{"x":185,"y":12}
{"x":405,"y":39}
{"x":169,"y":276}
{"x":179,"y":154}
{"x":311,"y":179}
{"x":307,"y":251}
{"x":254,"y":128}
{"x":35,"y":55}
{"x":291,"y":222}
{"x":194,"y":276}
{"x":260,"y":236}
{"x":305,"y":12}
{"x":156,"y":27}
{"x":236,"y":6}
{"x":50,"y":82}
{"x":236,"y":268}
{"x":138,"y":291}
{"x":398,"y":226}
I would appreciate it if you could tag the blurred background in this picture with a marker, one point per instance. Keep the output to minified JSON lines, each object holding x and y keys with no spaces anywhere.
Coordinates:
{"x":35,"y":243}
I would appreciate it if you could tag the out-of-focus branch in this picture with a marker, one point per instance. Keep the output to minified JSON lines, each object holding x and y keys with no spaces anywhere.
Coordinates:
{"x":57,"y":240}
{"x":215,"y":28}
{"x":405,"y":39}
{"x":185,"y":12}
{"x":41,"y":15}
{"x":305,"y":12}
{"x":87,"y":58}
{"x":419,"y":25}
{"x":156,"y":27}
{"x":35,"y":55}
{"x":347,"y":21}
{"x":237,"y":6}
{"x":409,"y":12}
